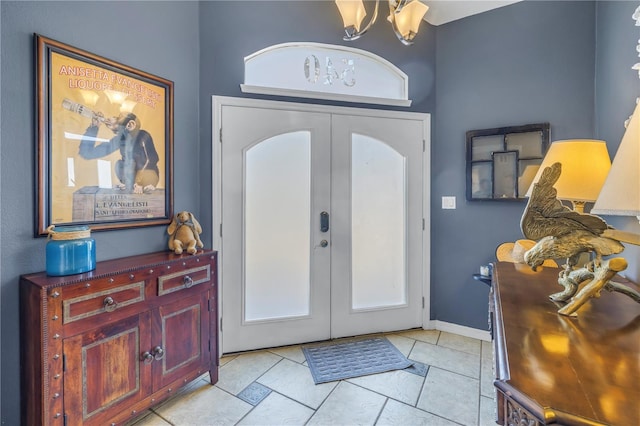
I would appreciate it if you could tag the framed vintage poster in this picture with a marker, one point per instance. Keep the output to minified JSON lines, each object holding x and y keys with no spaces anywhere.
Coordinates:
{"x":104,"y":141}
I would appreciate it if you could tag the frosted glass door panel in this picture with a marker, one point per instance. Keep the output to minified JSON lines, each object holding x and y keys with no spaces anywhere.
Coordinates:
{"x":377,"y":232}
{"x":378,"y":224}
{"x":275,"y":176}
{"x":277,"y":227}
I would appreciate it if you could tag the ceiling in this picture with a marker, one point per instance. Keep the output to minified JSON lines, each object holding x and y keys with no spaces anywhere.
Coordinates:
{"x":443,"y":11}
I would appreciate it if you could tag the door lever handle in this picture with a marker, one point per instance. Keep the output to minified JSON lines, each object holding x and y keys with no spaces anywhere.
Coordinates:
{"x":324,"y":222}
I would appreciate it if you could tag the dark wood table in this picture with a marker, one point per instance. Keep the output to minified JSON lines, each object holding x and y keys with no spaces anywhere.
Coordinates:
{"x":554,"y":369}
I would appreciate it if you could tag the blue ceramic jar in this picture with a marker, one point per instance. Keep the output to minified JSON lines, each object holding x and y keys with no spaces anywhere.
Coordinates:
{"x":70,"y":250}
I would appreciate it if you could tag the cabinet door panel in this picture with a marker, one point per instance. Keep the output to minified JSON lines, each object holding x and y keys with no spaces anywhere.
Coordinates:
{"x":104,"y":372}
{"x":181,"y":329}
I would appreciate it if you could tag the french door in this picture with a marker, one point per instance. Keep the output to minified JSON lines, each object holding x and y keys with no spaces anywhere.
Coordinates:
{"x":321,"y":223}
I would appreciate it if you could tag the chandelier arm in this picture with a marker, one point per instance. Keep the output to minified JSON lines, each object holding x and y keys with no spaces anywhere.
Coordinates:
{"x":357,"y":35}
{"x":395,"y":6}
{"x":401,"y":37}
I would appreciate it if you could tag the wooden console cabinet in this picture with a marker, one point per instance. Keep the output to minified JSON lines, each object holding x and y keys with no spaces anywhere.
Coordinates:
{"x":554,"y":369}
{"x":101,"y":347}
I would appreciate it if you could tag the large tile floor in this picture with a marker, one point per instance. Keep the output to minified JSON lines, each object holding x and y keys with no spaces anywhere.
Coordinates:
{"x":452,"y":386}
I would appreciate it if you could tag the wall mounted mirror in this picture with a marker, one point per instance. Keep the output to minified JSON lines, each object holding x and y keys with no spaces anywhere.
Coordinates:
{"x":502,"y":162}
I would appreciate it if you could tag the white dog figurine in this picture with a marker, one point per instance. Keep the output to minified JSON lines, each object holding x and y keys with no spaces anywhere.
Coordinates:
{"x":184,"y":233}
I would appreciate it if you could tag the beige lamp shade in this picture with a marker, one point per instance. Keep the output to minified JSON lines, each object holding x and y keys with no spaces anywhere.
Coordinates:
{"x":352,"y":12}
{"x":526,"y":178}
{"x":620,"y":194}
{"x":409,"y":17}
{"x":585,"y":165}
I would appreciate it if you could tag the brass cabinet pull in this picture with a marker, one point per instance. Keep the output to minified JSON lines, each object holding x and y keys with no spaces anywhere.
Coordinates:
{"x":110,"y":305}
{"x":147,"y":358}
{"x":188,"y":281}
{"x":158,"y":353}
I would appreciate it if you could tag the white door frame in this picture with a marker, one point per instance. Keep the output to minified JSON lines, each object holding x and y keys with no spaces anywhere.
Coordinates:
{"x":219,"y":101}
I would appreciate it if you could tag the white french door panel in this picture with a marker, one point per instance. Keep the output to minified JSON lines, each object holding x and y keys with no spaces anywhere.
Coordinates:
{"x":283,"y":279}
{"x":276,"y":182}
{"x":376,"y":252}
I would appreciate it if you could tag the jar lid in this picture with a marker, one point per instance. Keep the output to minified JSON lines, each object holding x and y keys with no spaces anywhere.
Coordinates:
{"x":74,"y":228}
{"x":68,"y":232}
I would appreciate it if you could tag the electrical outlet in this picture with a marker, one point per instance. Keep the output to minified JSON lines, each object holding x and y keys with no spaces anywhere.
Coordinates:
{"x":449,"y":202}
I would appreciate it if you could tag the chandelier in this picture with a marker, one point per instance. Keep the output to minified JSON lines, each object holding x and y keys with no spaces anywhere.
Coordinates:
{"x":404,"y":15}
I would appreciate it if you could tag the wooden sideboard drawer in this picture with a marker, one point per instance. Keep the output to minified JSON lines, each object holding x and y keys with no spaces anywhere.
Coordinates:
{"x":96,"y":303}
{"x":183,"y":279}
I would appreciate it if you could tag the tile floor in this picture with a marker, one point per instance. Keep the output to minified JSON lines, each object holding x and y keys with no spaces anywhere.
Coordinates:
{"x":274,"y":387}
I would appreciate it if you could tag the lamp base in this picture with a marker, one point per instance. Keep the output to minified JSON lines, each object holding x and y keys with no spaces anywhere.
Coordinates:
{"x":578,"y":206}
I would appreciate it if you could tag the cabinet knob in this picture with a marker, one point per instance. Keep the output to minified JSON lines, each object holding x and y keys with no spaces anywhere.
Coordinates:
{"x":147,"y":358}
{"x":158,"y":353}
{"x":110,"y":305}
{"x":188,"y":281}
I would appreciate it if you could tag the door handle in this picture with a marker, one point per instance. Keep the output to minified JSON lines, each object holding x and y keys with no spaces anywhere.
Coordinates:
{"x":324,"y":222}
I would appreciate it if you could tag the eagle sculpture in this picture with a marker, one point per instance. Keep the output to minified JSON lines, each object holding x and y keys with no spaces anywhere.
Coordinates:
{"x":562,"y":232}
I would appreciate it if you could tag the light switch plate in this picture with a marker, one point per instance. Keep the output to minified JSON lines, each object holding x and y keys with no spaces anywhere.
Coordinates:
{"x":449,"y":202}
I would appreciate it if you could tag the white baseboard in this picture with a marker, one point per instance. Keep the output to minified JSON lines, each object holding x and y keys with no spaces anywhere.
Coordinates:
{"x":459,"y":329}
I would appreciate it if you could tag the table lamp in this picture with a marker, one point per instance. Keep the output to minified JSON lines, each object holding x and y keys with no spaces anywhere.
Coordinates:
{"x":620,"y":194}
{"x":585,"y":165}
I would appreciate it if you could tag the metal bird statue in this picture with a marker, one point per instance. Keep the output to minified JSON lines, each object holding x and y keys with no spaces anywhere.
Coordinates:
{"x":565,"y":233}
{"x":562,"y":232}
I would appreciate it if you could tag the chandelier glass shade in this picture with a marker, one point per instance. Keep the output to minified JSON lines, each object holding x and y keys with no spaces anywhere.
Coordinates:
{"x":404,"y":15}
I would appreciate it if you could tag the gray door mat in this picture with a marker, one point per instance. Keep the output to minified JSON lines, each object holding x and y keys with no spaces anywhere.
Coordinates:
{"x":347,"y":359}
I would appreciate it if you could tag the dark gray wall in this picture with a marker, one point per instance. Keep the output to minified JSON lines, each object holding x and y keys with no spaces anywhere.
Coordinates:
{"x":224,"y":46}
{"x":160,"y":38}
{"x":530,"y":62}
{"x":617,"y":87}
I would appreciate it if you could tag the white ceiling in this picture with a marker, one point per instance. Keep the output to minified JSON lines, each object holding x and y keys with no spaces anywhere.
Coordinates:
{"x":443,"y":11}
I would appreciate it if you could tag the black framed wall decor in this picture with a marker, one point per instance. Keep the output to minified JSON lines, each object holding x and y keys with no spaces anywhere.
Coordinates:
{"x":502,"y":162}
